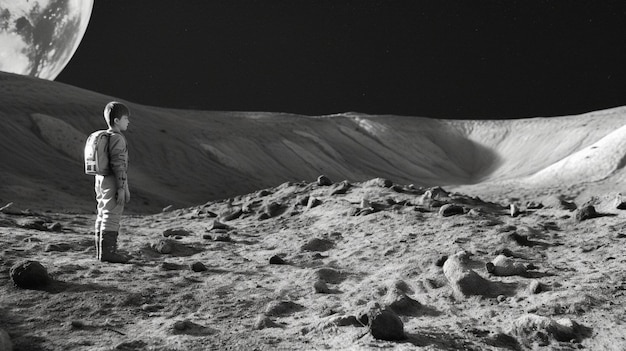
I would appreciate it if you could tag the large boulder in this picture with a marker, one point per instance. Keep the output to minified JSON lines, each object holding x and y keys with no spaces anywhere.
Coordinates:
{"x":505,"y":266}
{"x":384,"y":324}
{"x":29,"y":275}
{"x":463,"y":280}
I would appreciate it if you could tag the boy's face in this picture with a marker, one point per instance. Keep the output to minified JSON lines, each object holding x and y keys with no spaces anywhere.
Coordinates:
{"x":122,"y":122}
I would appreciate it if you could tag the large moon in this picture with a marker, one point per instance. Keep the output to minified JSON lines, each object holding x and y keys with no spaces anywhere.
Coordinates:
{"x":39,"y":37}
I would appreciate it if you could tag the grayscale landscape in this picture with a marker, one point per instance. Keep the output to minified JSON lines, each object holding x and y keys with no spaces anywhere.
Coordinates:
{"x":273,"y":231}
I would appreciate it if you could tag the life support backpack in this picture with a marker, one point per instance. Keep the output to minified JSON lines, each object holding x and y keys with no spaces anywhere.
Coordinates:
{"x":97,"y":153}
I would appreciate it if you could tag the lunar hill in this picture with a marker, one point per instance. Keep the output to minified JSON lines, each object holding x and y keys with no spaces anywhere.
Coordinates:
{"x":186,"y":157}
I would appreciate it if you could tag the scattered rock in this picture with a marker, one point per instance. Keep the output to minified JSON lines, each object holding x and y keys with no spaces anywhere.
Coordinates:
{"x":231,"y":215}
{"x":313,"y":202}
{"x":55,"y":227}
{"x":345,"y":321}
{"x":505,"y":266}
{"x":534,"y":328}
{"x":131,"y":345}
{"x":532,"y":205}
{"x":188,"y":327}
{"x":321,"y":287}
{"x":341,"y":188}
{"x":223,"y":237}
{"x":163,"y":246}
{"x":464,"y":281}
{"x":620,"y":204}
{"x":169,"y":266}
{"x":330,"y":275}
{"x":60,"y":247}
{"x":176,"y":232}
{"x":282,"y":308}
{"x":217,"y":225}
{"x":29,"y":275}
{"x":534,"y":287}
{"x":317,"y":244}
{"x":384,"y":324}
{"x":276,"y":260}
{"x":263,"y":321}
{"x":521,"y":240}
{"x":400,"y":303}
{"x":586,"y":212}
{"x":5,"y":341}
{"x":198,"y":267}
{"x":448,"y":210}
{"x":324,"y":181}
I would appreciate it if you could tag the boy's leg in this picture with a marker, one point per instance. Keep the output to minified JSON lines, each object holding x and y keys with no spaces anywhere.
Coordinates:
{"x":111,"y":215}
{"x":98,"y":224}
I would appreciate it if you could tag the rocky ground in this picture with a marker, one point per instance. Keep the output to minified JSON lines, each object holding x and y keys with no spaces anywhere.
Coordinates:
{"x":324,"y":266}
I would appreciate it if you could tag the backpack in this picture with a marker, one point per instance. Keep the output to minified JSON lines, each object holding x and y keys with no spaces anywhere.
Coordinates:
{"x":97,"y":153}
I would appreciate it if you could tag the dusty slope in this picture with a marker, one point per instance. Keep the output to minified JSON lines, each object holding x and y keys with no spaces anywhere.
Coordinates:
{"x":184,"y":158}
{"x":390,"y":253}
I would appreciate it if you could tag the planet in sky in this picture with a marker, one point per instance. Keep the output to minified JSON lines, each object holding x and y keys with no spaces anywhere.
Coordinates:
{"x":39,"y":37}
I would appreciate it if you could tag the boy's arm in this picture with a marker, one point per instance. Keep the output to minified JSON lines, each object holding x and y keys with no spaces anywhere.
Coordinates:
{"x":118,"y":159}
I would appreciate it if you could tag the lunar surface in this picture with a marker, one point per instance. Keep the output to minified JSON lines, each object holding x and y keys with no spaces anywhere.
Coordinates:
{"x":269,"y":231}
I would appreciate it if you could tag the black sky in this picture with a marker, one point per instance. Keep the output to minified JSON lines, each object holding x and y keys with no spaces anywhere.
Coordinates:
{"x":447,"y":59}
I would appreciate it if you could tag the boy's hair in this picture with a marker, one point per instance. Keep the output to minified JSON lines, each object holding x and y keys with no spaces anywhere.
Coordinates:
{"x":115,"y":110}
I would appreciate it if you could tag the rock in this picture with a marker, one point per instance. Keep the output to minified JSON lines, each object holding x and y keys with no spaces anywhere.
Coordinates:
{"x":620,"y":204}
{"x":216,"y":225}
{"x":231,"y":215}
{"x":321,"y":287}
{"x":464,"y":281}
{"x":330,"y":275}
{"x":505,"y":266}
{"x":400,"y":303}
{"x":188,"y":327}
{"x":169,"y":266}
{"x":341,"y":188}
{"x":344,"y":321}
{"x":515,"y":211}
{"x":60,"y":247}
{"x":272,"y":209}
{"x":263,"y":321}
{"x":282,"y":308}
{"x":198,"y":267}
{"x":586,"y":212}
{"x":324,"y":181}
{"x":163,"y":246}
{"x":317,"y":244}
{"x":384,"y":324}
{"x":436,"y":193}
{"x":534,"y":328}
{"x":532,"y":205}
{"x":176,"y":232}
{"x":167,"y":208}
{"x":5,"y":341}
{"x":55,"y":227}
{"x":534,"y":287}
{"x":276,"y":260}
{"x":223,"y":238}
{"x":313,"y":202}
{"x":29,"y":275}
{"x":448,"y":210}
